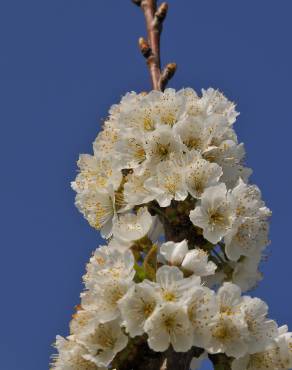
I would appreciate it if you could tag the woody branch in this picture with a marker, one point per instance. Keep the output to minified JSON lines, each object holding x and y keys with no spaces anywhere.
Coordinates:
{"x":150,"y":48}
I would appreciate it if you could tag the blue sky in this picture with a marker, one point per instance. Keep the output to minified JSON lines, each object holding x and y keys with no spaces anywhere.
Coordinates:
{"x":62,"y":64}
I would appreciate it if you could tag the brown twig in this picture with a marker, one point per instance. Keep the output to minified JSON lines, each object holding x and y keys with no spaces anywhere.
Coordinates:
{"x":151,"y":49}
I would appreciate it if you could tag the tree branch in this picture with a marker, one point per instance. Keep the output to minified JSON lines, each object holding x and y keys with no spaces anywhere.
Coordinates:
{"x":221,"y":361}
{"x":150,"y":49}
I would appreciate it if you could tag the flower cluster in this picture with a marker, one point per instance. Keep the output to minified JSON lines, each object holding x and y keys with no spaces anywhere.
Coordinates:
{"x":168,"y":188}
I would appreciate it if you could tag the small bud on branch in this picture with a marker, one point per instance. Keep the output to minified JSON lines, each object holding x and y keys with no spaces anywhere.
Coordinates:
{"x":161,"y":13}
{"x":167,"y":74}
{"x":151,"y":49}
{"x":144,"y":47}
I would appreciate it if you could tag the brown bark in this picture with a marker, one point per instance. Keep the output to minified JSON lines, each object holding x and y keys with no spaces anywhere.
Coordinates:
{"x":180,"y":361}
{"x":221,"y":361}
{"x":150,"y":49}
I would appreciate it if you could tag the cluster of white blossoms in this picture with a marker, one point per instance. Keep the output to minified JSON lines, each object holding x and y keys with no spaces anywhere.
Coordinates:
{"x":168,"y":189}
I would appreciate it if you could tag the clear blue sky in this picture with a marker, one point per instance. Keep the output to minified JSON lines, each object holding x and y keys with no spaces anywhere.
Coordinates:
{"x":62,"y":64}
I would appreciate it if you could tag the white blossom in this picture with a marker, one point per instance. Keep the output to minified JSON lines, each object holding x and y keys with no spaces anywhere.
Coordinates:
{"x":168,"y":188}
{"x":202,"y":308}
{"x":95,"y":173}
{"x":134,"y":190}
{"x":159,"y":146}
{"x":103,"y":298}
{"x":169,"y":324}
{"x":71,"y":356}
{"x":245,"y":272}
{"x":172,"y":286}
{"x":174,"y":252}
{"x":261,"y":330}
{"x":109,"y":263}
{"x":215,"y":213}
{"x":103,"y":342}
{"x":131,"y":227}
{"x":99,"y":208}
{"x":136,"y":306}
{"x":196,"y":261}
{"x":200,"y":174}
{"x":168,"y":182}
{"x":277,"y":356}
{"x":229,"y":330}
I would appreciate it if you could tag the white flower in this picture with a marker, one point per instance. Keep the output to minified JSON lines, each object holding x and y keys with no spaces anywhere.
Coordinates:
{"x":248,"y":200}
{"x":247,"y":239}
{"x":245,"y":273}
{"x":136,"y":306}
{"x":168,"y":183}
{"x":229,"y":329}
{"x":103,"y":342}
{"x":213,"y":101}
{"x":201,"y":174}
{"x":130,"y":150}
{"x":228,"y":334}
{"x":196,"y":261}
{"x":95,"y":173}
{"x":172,"y":286}
{"x":194,"y":133}
{"x":82,"y":320}
{"x":214,"y":214}
{"x":104,"y":297}
{"x":229,"y":297}
{"x":170,"y":107}
{"x":137,"y":112}
{"x":261,"y":330}
{"x":250,"y":232}
{"x":169,"y":324}
{"x":109,"y":264}
{"x":229,"y":156}
{"x":104,"y":143}
{"x":277,"y":356}
{"x":174,"y":252}
{"x":131,"y":227}
{"x":135,"y":192}
{"x":159,"y":145}
{"x":202,"y":307}
{"x":71,"y":356}
{"x":98,"y":207}
{"x":178,"y":150}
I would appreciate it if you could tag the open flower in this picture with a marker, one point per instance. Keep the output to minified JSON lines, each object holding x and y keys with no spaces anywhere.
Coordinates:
{"x":262,"y":331}
{"x":71,"y":356}
{"x":103,"y":342}
{"x":168,"y":183}
{"x":201,"y":174}
{"x":215,"y":213}
{"x":136,"y":306}
{"x":99,"y":208}
{"x":229,"y":330}
{"x":172,"y":286}
{"x":169,"y":324}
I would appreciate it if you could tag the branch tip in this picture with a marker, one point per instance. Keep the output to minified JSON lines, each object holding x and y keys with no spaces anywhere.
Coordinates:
{"x":161,"y":12}
{"x":167,"y":74}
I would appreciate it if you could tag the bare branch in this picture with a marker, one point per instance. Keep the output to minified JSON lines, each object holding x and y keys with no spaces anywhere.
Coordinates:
{"x":151,"y":49}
